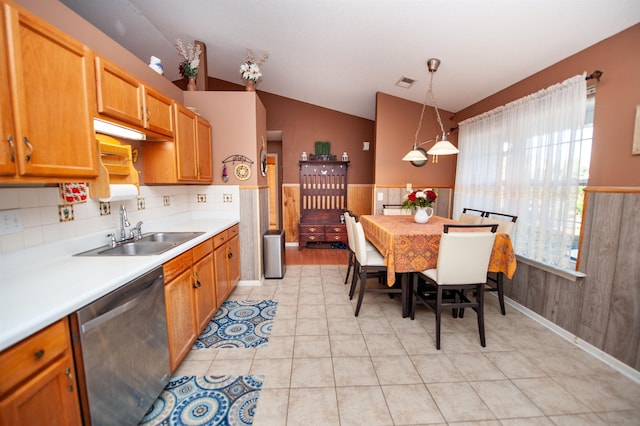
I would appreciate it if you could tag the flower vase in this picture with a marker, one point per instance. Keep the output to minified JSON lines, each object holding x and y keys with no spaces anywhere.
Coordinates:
{"x":191,"y":86}
{"x":423,"y":214}
{"x":250,"y":87}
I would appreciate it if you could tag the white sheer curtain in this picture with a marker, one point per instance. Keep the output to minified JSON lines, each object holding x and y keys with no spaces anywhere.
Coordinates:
{"x":523,"y":158}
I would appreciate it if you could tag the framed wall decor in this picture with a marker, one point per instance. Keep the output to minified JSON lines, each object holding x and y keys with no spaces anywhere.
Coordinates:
{"x":636,"y":134}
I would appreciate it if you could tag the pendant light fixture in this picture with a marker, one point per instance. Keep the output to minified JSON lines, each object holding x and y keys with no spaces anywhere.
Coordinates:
{"x":417,"y":155}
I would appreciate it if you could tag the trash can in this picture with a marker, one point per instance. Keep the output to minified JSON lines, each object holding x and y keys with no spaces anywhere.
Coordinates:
{"x":273,"y":253}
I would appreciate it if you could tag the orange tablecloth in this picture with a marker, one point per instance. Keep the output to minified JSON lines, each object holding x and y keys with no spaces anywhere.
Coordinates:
{"x":408,"y":246}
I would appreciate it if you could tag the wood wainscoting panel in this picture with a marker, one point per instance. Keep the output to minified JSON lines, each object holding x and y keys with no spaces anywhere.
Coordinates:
{"x":622,"y":336}
{"x":359,"y":199}
{"x":291,"y":211}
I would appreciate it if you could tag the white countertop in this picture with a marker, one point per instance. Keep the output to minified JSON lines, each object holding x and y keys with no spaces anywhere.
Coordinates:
{"x":41,"y":285}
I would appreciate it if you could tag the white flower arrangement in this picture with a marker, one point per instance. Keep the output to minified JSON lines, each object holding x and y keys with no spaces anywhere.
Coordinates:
{"x":190,"y":54}
{"x":250,"y":69}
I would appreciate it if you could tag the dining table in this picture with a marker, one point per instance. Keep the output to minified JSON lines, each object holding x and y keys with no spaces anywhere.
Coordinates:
{"x":409,"y":247}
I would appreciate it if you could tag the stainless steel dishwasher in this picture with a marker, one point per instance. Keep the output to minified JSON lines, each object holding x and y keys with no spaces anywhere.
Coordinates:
{"x":125,"y":353}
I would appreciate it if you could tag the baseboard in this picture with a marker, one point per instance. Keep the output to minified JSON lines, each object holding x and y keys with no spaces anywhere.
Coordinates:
{"x":612,"y":362}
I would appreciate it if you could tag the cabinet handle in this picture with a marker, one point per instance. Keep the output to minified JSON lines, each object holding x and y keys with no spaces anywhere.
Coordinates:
{"x":12,"y":156}
{"x":312,"y":237}
{"x":70,"y":376}
{"x":312,"y":229}
{"x":28,"y":144}
{"x":230,"y":255}
{"x":39,"y":353}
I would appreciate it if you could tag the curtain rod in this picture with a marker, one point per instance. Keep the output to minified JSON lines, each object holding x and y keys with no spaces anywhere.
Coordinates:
{"x":597,"y":74}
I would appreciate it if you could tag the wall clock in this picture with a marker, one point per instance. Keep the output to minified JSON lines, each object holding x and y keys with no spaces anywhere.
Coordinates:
{"x":263,"y":162}
{"x":242,"y":171}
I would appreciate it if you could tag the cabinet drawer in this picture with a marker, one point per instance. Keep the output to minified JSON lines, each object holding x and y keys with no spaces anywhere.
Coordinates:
{"x":220,"y":239}
{"x":233,"y":231}
{"x":335,"y":229}
{"x":335,"y":237}
{"x":33,"y":353}
{"x":201,"y":250}
{"x":175,"y":266}
{"x":312,"y":229}
{"x":311,"y":237}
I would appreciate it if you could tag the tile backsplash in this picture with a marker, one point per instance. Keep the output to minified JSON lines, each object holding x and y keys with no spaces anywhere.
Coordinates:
{"x":40,"y":210}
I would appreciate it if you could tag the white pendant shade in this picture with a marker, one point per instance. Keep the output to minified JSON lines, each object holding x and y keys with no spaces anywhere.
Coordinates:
{"x":443,"y":148}
{"x":414,"y":155}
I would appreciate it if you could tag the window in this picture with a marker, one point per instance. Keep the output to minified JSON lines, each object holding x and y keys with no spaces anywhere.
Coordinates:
{"x":531,"y":158}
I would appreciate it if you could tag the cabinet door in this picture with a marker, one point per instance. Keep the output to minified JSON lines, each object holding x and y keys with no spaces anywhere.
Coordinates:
{"x":158,"y":110}
{"x":220,"y":271}
{"x":7,"y":136}
{"x":205,"y":158}
{"x":53,"y":99}
{"x":49,"y":397}
{"x":187,"y":159}
{"x":205,"y":293}
{"x":181,"y":324}
{"x":119,"y":94}
{"x":233,"y":258}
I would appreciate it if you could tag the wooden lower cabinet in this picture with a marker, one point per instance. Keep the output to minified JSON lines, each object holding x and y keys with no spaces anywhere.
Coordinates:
{"x":189,"y":298}
{"x":37,"y":380}
{"x":226,"y":255}
{"x":205,"y":291}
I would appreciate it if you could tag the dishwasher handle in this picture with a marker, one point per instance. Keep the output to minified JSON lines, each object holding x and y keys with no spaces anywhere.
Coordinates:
{"x":120,"y":309}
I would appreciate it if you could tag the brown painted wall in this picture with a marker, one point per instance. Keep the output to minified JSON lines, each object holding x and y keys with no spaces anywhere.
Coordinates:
{"x":396,"y":125}
{"x":617,"y":95}
{"x":303,"y":124}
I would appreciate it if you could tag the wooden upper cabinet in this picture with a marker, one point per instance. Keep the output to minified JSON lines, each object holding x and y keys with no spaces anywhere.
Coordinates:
{"x":158,"y":110}
{"x":119,"y":94}
{"x":186,"y":150}
{"x":7,"y":135}
{"x":205,"y":156}
{"x":122,"y":96}
{"x":52,"y":101}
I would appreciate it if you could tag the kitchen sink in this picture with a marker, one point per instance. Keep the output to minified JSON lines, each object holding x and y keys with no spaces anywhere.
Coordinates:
{"x":149,"y":245}
{"x":171,"y":237}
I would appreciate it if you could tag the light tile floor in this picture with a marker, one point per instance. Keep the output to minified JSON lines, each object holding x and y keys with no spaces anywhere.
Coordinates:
{"x":323,"y":366}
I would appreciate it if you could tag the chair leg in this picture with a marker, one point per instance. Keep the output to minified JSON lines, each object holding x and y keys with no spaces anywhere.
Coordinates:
{"x":363,"y":286}
{"x":414,"y":298}
{"x":354,"y":278}
{"x":480,"y":313}
{"x":438,"y":315}
{"x":346,"y":278}
{"x":500,"y":285}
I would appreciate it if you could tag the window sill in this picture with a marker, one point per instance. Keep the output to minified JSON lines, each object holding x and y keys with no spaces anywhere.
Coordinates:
{"x":564,"y":273}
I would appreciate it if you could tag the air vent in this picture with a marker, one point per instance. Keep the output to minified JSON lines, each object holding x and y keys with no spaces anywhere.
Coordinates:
{"x":405,"y":82}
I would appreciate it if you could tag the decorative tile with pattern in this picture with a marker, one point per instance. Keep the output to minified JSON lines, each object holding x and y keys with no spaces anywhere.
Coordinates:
{"x":239,"y":324}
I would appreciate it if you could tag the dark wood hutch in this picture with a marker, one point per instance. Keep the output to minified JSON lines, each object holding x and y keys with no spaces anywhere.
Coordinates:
{"x":323,"y":199}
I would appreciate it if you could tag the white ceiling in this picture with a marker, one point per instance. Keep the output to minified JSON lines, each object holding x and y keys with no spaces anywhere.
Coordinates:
{"x":339,"y":53}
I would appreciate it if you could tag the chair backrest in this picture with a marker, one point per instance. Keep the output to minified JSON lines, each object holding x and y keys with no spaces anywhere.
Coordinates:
{"x":349,"y":221}
{"x":395,"y":210}
{"x":471,"y":219}
{"x":361,"y":243}
{"x":501,"y":216}
{"x":504,"y":227}
{"x":463,"y":257}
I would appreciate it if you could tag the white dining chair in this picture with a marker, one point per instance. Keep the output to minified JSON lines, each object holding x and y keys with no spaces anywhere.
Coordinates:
{"x":463,"y":260}
{"x":369,"y":263}
{"x":395,"y":210}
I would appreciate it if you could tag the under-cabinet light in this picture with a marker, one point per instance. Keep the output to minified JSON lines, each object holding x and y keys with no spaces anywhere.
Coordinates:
{"x":111,"y":129}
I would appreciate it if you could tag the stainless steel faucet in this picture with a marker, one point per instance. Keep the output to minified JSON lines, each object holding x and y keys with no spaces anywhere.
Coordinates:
{"x":124,"y":223}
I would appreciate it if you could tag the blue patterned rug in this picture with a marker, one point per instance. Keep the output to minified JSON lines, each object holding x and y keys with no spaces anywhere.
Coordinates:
{"x":239,"y":324}
{"x":208,"y":400}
